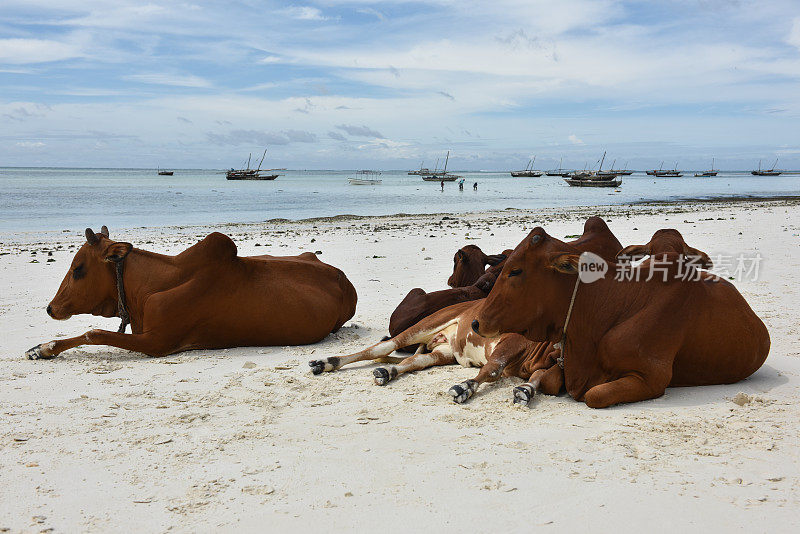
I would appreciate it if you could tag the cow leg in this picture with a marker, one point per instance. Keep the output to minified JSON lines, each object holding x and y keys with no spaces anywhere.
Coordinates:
{"x":548,"y":381}
{"x":145,"y":343}
{"x":412,"y":336}
{"x":630,"y":388}
{"x":491,"y":371}
{"x":416,"y":362}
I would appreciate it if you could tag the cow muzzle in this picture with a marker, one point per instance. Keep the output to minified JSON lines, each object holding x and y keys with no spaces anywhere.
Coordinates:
{"x":54,"y":313}
{"x":482,"y":330}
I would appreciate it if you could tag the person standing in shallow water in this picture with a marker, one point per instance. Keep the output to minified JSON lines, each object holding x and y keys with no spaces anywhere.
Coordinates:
{"x":442,"y":184}
{"x":461,"y":184}
{"x":475,"y":186}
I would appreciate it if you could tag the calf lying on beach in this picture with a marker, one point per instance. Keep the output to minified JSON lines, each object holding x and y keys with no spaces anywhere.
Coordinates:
{"x":445,"y":337}
{"x":206,"y":297}
{"x":629,"y":337}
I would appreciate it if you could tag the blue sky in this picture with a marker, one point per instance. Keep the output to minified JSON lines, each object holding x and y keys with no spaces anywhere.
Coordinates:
{"x":388,"y":84}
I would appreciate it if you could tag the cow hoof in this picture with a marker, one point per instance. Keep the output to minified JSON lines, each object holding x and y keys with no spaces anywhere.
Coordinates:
{"x":463,"y":391}
{"x":523,"y":394}
{"x":317,"y":366}
{"x":36,"y":353}
{"x":382,"y":376}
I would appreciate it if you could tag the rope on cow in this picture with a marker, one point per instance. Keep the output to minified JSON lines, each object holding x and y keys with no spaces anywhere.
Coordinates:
{"x":122,"y":305}
{"x":562,"y":344}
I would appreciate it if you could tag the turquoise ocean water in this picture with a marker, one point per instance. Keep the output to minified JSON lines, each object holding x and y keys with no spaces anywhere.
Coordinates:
{"x":71,"y":199}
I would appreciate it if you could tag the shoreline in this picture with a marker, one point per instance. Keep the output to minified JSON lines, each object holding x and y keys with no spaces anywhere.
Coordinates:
{"x":674,"y":206}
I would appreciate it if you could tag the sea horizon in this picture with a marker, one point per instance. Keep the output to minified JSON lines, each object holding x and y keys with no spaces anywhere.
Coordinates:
{"x":59,"y":198}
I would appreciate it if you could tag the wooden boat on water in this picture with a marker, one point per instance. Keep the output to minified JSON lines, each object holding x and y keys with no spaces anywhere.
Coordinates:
{"x":424,"y":171}
{"x":443,"y":175}
{"x":766,"y":172}
{"x":619,"y":172}
{"x":528,"y":172}
{"x":600,"y":178}
{"x":665,"y":173}
{"x":710,"y":172}
{"x":559,"y":171}
{"x":594,"y":182}
{"x":365,"y":178}
{"x":164,"y":173}
{"x":253,"y":174}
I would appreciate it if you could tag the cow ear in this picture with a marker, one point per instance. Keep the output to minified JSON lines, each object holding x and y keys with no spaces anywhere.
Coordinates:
{"x":494,"y":259}
{"x":634,"y":252}
{"x":104,"y":230}
{"x":117,"y":251}
{"x":565,"y":263}
{"x":702,"y":258}
{"x":91,"y":237}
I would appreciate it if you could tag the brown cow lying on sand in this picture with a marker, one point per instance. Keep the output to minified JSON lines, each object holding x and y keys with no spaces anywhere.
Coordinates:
{"x":448,"y":338}
{"x":418,"y":304}
{"x":628,"y":339}
{"x":469,"y":264}
{"x":206,"y":297}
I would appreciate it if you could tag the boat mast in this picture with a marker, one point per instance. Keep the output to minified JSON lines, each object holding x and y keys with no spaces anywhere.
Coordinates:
{"x":601,"y":162}
{"x":774,"y":165}
{"x":262,"y":160}
{"x":250,"y":155}
{"x":444,"y":171}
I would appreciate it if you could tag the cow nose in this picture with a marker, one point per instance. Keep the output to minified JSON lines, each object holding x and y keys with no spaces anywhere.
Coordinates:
{"x":475,"y":326}
{"x":49,"y":310}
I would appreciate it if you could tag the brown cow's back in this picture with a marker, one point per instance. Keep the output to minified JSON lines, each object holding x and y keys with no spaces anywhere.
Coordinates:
{"x":256,"y":300}
{"x":710,"y":354}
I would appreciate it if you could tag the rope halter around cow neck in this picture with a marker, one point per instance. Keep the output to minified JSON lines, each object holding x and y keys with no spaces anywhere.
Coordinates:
{"x":122,"y":305}
{"x":562,"y":344}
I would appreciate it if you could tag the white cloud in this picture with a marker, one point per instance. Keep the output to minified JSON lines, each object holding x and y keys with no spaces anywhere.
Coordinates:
{"x":22,"y":51}
{"x":304,"y":13}
{"x":30,"y":144}
{"x":169,"y":79}
{"x":269,"y":60}
{"x":794,"y":34}
{"x":575,"y":140}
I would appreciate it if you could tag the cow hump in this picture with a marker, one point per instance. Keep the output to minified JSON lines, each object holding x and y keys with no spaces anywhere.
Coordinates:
{"x":214,"y":246}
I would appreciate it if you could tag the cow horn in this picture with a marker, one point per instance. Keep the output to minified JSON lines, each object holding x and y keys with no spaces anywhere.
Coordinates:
{"x":104,"y":230}
{"x":91,"y":237}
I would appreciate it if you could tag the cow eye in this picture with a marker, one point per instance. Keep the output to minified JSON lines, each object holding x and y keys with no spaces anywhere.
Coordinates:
{"x":78,"y":272}
{"x":515,"y":272}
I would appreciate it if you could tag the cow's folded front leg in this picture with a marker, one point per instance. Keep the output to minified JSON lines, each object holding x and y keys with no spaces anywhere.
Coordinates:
{"x":146,"y":343}
{"x":630,"y":388}
{"x":441,"y":355}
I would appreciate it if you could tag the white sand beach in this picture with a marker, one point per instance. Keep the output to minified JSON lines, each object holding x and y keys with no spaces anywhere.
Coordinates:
{"x":102,"y":439}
